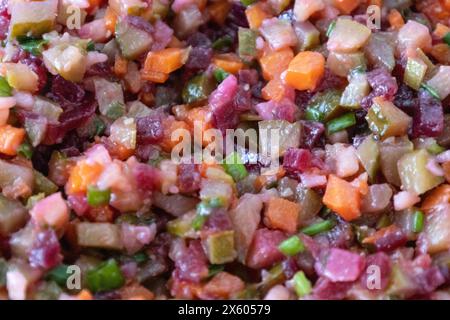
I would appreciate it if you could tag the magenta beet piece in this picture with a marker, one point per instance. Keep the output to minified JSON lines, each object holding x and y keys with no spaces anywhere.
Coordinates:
{"x":406,"y":99}
{"x":38,"y":67}
{"x":162,"y":35}
{"x":312,"y":133}
{"x":192,"y":264}
{"x":383,"y":262}
{"x":263,"y":252}
{"x":382,"y":83}
{"x":297,"y":160}
{"x":324,"y":289}
{"x":147,"y":177}
{"x":66,"y":93}
{"x":221,"y":104}
{"x":343,"y":265}
{"x":189,"y":178}
{"x":45,"y":251}
{"x":218,"y":221}
{"x":428,"y":118}
{"x":199,"y":58}
{"x":149,"y":129}
{"x":330,"y":81}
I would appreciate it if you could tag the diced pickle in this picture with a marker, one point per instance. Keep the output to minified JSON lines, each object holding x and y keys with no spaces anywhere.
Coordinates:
{"x":67,"y":60}
{"x":386,"y":120}
{"x":98,"y":235}
{"x":182,"y":226}
{"x":342,"y":63}
{"x":356,"y":90}
{"x":12,"y":216}
{"x":247,"y":42}
{"x":43,"y":185}
{"x":197,"y":89}
{"x":32,"y":18}
{"x":391,"y":150}
{"x":414,"y":175}
{"x":310,"y":202}
{"x":220,"y":247}
{"x":288,"y":134}
{"x":414,"y":73}
{"x":132,"y":41}
{"x":307,"y":34}
{"x":324,"y":106}
{"x":368,"y":153}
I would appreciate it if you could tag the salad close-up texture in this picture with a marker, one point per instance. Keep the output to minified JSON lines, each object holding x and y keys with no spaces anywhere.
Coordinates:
{"x":108,"y":110}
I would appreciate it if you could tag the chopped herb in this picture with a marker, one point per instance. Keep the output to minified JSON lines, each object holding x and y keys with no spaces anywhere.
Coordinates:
{"x":319,"y":227}
{"x":222,"y":43}
{"x":220,"y":74}
{"x":234,"y":167}
{"x":291,"y":246}
{"x":32,"y":45}
{"x":215,"y":269}
{"x":5,"y":88}
{"x":25,"y":150}
{"x":343,"y":122}
{"x":418,"y":221}
{"x":107,"y":276}
{"x":90,"y":46}
{"x":97,"y":197}
{"x":140,"y":257}
{"x":247,"y":2}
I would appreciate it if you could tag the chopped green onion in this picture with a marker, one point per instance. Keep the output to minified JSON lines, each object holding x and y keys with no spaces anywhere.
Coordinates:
{"x":418,"y":221}
{"x":446,"y":38}
{"x":234,"y":167}
{"x":222,"y":43}
{"x":198,"y":222}
{"x":25,"y":150}
{"x":220,"y":74}
{"x":215,"y":269}
{"x":291,"y":246}
{"x":5,"y":88}
{"x":97,"y":197}
{"x":140,"y":257}
{"x":317,"y":228}
{"x":302,"y":285}
{"x":107,"y":276}
{"x":59,"y":274}
{"x":330,"y":28}
{"x":341,"y":123}
{"x":33,"y":46}
{"x":90,"y":46}
{"x":430,"y":90}
{"x":247,"y":2}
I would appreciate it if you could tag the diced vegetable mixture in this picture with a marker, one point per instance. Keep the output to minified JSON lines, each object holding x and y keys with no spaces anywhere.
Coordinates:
{"x":96,"y":96}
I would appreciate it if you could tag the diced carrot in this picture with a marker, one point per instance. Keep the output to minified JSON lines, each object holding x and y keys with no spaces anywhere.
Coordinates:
{"x":256,"y":14}
{"x":343,"y":198}
{"x":166,"y":60}
{"x":438,"y":197}
{"x":201,"y":116}
{"x":120,"y":66}
{"x":447,"y":4}
{"x":219,"y":11}
{"x":169,"y":126}
{"x":305,"y":70}
{"x":346,"y":6}
{"x":10,"y":139}
{"x":84,"y":295}
{"x":94,"y":4}
{"x":136,"y":292}
{"x":110,"y":19}
{"x":381,"y":234}
{"x":275,"y":90}
{"x":274,"y":63}
{"x":201,"y":4}
{"x":282,"y":214}
{"x":228,"y":62}
{"x":395,"y":19}
{"x":83,"y":174}
{"x":152,"y":76}
{"x":223,"y":286}
{"x":441,"y":30}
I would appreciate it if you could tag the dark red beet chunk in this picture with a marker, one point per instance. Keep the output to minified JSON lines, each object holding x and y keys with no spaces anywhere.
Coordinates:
{"x":382,"y":261}
{"x":312,"y":133}
{"x":390,"y":240}
{"x":382,"y":83}
{"x":149,"y":129}
{"x":406,"y":99}
{"x":237,"y":15}
{"x":297,"y":160}
{"x":199,"y":58}
{"x":4,"y":26}
{"x":263,"y":252}
{"x":330,"y":81}
{"x":66,"y":93}
{"x":192,"y":264}
{"x":147,"y":177}
{"x":38,"y":67}
{"x":102,"y":69}
{"x":45,"y":252}
{"x":428,"y":118}
{"x":324,"y":289}
{"x":188,"y":178}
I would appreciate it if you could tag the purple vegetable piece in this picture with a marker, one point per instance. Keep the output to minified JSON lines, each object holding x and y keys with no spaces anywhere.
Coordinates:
{"x":428,"y":118}
{"x":45,"y":251}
